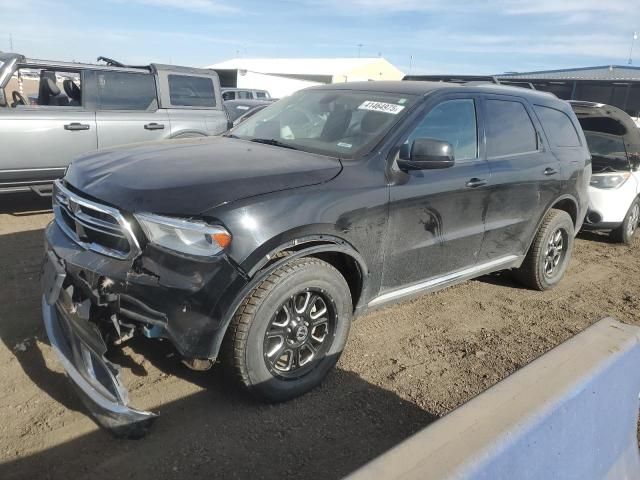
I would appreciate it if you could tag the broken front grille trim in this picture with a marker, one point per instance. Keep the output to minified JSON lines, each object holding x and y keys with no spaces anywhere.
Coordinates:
{"x":79,"y":209}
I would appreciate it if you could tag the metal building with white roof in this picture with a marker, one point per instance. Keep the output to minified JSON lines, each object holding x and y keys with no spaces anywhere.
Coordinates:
{"x":283,"y":76}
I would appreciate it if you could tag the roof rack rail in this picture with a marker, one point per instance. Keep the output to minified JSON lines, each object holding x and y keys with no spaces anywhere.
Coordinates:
{"x":462,"y":79}
{"x":114,"y":63}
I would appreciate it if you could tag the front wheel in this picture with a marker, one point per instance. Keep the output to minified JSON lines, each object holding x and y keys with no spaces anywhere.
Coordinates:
{"x":549,"y":255}
{"x":290,"y":330}
{"x":625,"y":232}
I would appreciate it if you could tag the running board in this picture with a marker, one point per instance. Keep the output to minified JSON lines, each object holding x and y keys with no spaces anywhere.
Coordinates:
{"x":502,"y":263}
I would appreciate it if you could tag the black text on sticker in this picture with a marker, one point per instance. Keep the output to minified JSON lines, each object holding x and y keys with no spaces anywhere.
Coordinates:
{"x":381,"y":107}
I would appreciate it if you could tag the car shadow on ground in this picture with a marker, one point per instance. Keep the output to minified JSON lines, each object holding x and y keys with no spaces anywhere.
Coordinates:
{"x":594,"y":236}
{"x":20,"y":321}
{"x":210,"y":429}
{"x":220,"y":432}
{"x":503,"y":278}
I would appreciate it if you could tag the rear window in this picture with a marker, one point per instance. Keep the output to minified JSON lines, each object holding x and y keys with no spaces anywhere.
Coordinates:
{"x":607,"y":151}
{"x":510,"y":130}
{"x":558,"y":126}
{"x":126,"y":91}
{"x":189,"y":91}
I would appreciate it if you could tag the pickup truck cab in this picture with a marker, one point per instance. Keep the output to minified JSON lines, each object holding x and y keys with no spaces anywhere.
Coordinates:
{"x":52,"y":112}
{"x":259,"y":246}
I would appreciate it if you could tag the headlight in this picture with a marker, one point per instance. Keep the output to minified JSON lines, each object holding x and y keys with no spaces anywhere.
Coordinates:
{"x":609,"y":180}
{"x":190,"y":237}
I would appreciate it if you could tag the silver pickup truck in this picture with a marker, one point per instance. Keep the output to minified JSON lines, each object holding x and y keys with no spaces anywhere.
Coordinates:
{"x":51,"y":112}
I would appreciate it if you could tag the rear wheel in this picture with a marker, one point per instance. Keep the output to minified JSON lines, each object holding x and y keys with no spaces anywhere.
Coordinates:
{"x":625,"y":232}
{"x":550,"y":252}
{"x":290,"y":330}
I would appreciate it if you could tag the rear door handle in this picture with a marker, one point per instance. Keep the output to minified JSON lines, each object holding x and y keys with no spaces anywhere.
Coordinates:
{"x":550,"y":171}
{"x":154,"y":126}
{"x":76,"y":126}
{"x":476,"y":182}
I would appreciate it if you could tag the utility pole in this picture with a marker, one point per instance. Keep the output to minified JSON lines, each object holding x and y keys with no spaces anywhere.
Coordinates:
{"x":410,"y":64}
{"x":635,"y":37}
{"x":10,"y":43}
{"x":360,"y":45}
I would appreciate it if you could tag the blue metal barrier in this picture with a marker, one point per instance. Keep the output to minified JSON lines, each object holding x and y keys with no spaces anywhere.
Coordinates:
{"x":570,"y":414}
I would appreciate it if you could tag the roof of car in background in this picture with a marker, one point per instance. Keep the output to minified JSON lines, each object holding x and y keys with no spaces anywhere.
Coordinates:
{"x":152,"y":67}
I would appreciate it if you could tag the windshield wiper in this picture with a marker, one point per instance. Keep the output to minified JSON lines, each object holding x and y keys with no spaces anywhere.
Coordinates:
{"x":274,"y":142}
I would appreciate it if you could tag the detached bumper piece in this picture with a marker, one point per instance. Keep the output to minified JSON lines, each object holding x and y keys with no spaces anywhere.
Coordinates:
{"x":81,"y":351}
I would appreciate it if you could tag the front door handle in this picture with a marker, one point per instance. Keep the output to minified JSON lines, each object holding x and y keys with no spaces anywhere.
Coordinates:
{"x":476,"y":182}
{"x":154,"y":126}
{"x":550,"y":171}
{"x":75,"y":126}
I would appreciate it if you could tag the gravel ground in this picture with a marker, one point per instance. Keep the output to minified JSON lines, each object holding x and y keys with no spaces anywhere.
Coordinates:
{"x":404,"y":367}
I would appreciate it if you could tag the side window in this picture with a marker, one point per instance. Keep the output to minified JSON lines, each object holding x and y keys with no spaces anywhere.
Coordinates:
{"x":260,"y":94}
{"x":244,"y":95}
{"x":44,"y":87}
{"x":125,"y":91}
{"x":228,"y":95}
{"x":187,"y":91}
{"x":453,"y":121}
{"x":558,"y":127}
{"x":509,"y":129}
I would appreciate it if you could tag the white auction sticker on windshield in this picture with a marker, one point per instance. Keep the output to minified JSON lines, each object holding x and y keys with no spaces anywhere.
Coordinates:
{"x":381,"y":107}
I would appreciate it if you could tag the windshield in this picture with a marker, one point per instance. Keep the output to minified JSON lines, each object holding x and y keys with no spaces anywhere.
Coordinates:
{"x":607,"y":151}
{"x":338,"y":123}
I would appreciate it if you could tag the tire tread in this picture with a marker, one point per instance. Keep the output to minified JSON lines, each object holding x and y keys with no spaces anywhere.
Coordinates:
{"x":235,"y":342}
{"x":528,"y":273}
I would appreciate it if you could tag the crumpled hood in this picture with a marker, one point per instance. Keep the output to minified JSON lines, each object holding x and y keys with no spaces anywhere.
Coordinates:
{"x":187,"y":177}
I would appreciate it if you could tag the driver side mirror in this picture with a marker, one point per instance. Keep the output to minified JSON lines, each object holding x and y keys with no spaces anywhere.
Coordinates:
{"x":427,"y":154}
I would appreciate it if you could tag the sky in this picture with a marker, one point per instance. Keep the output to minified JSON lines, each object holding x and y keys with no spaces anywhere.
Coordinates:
{"x":418,"y":36}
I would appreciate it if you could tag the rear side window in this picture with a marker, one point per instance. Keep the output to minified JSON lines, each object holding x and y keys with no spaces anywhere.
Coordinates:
{"x":558,"y":126}
{"x":126,"y":91}
{"x":244,"y":95}
{"x":260,"y":94}
{"x":188,"y":91}
{"x":509,"y":129}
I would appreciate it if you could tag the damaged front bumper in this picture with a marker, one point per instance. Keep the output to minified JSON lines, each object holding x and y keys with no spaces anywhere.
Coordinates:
{"x":106,"y":401}
{"x":81,"y":351}
{"x":91,"y":302}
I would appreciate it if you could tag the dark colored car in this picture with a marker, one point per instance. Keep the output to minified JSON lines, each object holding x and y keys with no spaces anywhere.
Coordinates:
{"x":244,"y":108}
{"x":259,"y":247}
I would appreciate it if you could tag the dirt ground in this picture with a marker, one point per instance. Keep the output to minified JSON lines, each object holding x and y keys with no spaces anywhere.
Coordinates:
{"x":404,"y":366}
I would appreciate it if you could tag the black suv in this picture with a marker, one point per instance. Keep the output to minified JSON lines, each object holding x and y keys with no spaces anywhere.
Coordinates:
{"x":260,"y":246}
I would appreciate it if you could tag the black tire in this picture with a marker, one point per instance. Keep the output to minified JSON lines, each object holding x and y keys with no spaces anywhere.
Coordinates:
{"x":539,"y":269}
{"x":625,"y":232}
{"x":246,"y":347}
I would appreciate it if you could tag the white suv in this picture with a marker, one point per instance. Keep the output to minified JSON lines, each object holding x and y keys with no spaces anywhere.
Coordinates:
{"x":614,"y":142}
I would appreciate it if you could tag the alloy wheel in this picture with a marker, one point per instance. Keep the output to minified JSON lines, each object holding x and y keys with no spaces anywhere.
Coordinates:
{"x":554,"y":253}
{"x":300,"y":333}
{"x":633,"y":220}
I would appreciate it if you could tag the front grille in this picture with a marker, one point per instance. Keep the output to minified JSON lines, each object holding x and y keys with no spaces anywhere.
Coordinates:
{"x":93,"y":226}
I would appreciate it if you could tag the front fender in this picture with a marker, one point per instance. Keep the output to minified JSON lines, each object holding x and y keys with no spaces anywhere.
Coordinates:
{"x":263,"y":269}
